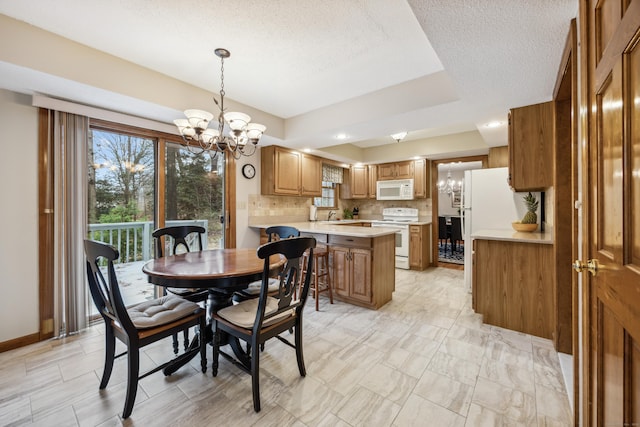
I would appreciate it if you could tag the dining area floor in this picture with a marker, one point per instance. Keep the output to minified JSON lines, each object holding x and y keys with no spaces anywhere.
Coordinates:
{"x":423,"y":359}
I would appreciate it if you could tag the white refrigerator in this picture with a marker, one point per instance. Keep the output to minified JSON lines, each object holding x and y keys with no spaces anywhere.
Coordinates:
{"x":487,"y":203}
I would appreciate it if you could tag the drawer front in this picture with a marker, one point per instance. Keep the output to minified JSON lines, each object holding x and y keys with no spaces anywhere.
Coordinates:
{"x":361,"y":242}
{"x":320,"y":238}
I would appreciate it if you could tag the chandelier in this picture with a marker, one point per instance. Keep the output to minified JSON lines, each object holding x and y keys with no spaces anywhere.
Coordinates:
{"x":450,"y":185}
{"x":242,"y":137}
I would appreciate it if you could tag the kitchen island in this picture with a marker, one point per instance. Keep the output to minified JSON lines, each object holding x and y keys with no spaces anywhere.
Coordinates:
{"x":513,"y":280}
{"x":362,"y":259}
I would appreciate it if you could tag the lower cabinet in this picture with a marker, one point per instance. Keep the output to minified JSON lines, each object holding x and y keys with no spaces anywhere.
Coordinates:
{"x":363,"y":269}
{"x":419,"y":246}
{"x":513,"y":286}
{"x":352,"y":273}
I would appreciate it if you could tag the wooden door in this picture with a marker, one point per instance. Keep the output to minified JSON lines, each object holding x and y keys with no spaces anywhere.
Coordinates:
{"x":373,"y":179}
{"x":287,"y":172}
{"x":415,"y":246}
{"x":386,"y":171}
{"x":359,"y":182}
{"x":420,"y":179}
{"x":360,"y":275}
{"x":531,"y":147}
{"x":340,"y":267}
{"x":404,"y":170}
{"x":311,"y":176}
{"x":612,"y":346}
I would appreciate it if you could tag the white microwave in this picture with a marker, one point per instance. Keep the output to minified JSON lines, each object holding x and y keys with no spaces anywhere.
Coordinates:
{"x":398,"y":189}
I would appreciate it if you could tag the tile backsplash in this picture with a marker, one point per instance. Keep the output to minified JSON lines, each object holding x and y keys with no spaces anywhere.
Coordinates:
{"x":279,"y":209}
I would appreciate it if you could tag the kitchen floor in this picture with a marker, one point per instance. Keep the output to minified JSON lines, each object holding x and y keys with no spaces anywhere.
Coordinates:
{"x":424,"y":359}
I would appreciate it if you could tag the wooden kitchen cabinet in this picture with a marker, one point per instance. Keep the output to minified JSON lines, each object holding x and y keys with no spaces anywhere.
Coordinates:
{"x":398,"y":170}
{"x":531,"y":140}
{"x":360,"y":182}
{"x":363,"y":269}
{"x":356,"y":185}
{"x":419,"y":246}
{"x":420,"y":179}
{"x":290,"y":173}
{"x":310,"y":175}
{"x":352,"y":273}
{"x":373,"y":179}
{"x":513,"y":285}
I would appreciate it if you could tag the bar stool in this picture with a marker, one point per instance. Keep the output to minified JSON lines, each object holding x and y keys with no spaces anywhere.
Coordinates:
{"x":320,"y":270}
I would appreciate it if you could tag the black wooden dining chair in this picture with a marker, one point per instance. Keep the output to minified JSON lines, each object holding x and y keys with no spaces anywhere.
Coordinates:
{"x":456,"y":233}
{"x":257,"y":320}
{"x":443,"y":231}
{"x":138,"y":325}
{"x":275,"y":232}
{"x":179,"y":239}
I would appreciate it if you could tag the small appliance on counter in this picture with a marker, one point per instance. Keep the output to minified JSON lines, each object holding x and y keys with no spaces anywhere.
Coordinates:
{"x":313,"y":213}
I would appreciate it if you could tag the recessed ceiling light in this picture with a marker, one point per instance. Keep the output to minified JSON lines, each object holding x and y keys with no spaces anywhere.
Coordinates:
{"x":307,"y":150}
{"x":341,"y":136}
{"x":493,"y":124}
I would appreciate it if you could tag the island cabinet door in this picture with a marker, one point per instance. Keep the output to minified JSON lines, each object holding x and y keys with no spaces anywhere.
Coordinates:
{"x":340,"y":259}
{"x":361,"y":275}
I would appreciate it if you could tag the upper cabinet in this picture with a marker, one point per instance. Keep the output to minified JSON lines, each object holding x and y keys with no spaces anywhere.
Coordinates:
{"x":421,"y":179}
{"x":356,"y":183}
{"x":531,"y":139}
{"x":373,"y":179}
{"x":287,"y":172}
{"x":398,"y":170}
{"x":311,"y":175}
{"x":360,"y":181}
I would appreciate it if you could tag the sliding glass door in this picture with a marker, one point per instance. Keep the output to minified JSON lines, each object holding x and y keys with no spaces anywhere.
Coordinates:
{"x":194,"y":192}
{"x":140,"y":180}
{"x":122,"y":202}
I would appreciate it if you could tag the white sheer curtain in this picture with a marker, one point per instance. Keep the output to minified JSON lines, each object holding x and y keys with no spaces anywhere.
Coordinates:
{"x":70,"y":142}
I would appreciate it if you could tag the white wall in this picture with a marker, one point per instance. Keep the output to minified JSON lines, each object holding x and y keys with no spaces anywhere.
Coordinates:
{"x":246,"y":237}
{"x":18,"y":216}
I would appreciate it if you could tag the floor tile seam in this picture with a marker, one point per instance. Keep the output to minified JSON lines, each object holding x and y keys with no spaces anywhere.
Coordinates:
{"x":511,"y":389}
{"x":436,"y":403}
{"x":570,"y":412}
{"x":347,"y":397}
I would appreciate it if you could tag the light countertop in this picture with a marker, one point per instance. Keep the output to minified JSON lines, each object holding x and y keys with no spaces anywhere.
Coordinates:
{"x":333,"y":227}
{"x":545,"y":237}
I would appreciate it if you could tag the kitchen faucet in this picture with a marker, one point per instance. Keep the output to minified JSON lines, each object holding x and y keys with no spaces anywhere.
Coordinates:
{"x":331,"y":213}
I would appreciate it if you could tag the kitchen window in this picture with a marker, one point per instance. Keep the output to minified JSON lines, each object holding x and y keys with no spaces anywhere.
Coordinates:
{"x":329,"y":196}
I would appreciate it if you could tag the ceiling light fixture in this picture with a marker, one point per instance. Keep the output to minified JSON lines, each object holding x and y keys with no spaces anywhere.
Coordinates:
{"x":399,"y":136}
{"x":450,"y":185}
{"x":491,"y":125}
{"x":243,"y":135}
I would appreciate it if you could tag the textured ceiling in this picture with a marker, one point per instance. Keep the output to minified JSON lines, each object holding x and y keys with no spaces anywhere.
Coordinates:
{"x":364,"y":68}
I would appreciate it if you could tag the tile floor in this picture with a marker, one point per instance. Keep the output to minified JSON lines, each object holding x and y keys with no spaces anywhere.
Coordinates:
{"x":424,"y":359}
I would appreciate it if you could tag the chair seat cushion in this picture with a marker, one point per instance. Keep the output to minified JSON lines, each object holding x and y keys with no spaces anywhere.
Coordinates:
{"x":160,"y":311}
{"x":254,"y":287}
{"x":243,"y":314}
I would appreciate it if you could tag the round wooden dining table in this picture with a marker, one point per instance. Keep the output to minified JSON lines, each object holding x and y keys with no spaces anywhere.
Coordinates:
{"x":221,"y":271}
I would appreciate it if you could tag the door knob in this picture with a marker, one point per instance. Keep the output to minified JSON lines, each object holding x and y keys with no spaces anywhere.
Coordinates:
{"x":591,"y":266}
{"x":579,"y":266}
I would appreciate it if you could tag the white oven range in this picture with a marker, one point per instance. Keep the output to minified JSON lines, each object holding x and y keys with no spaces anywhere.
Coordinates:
{"x":399,"y":219}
